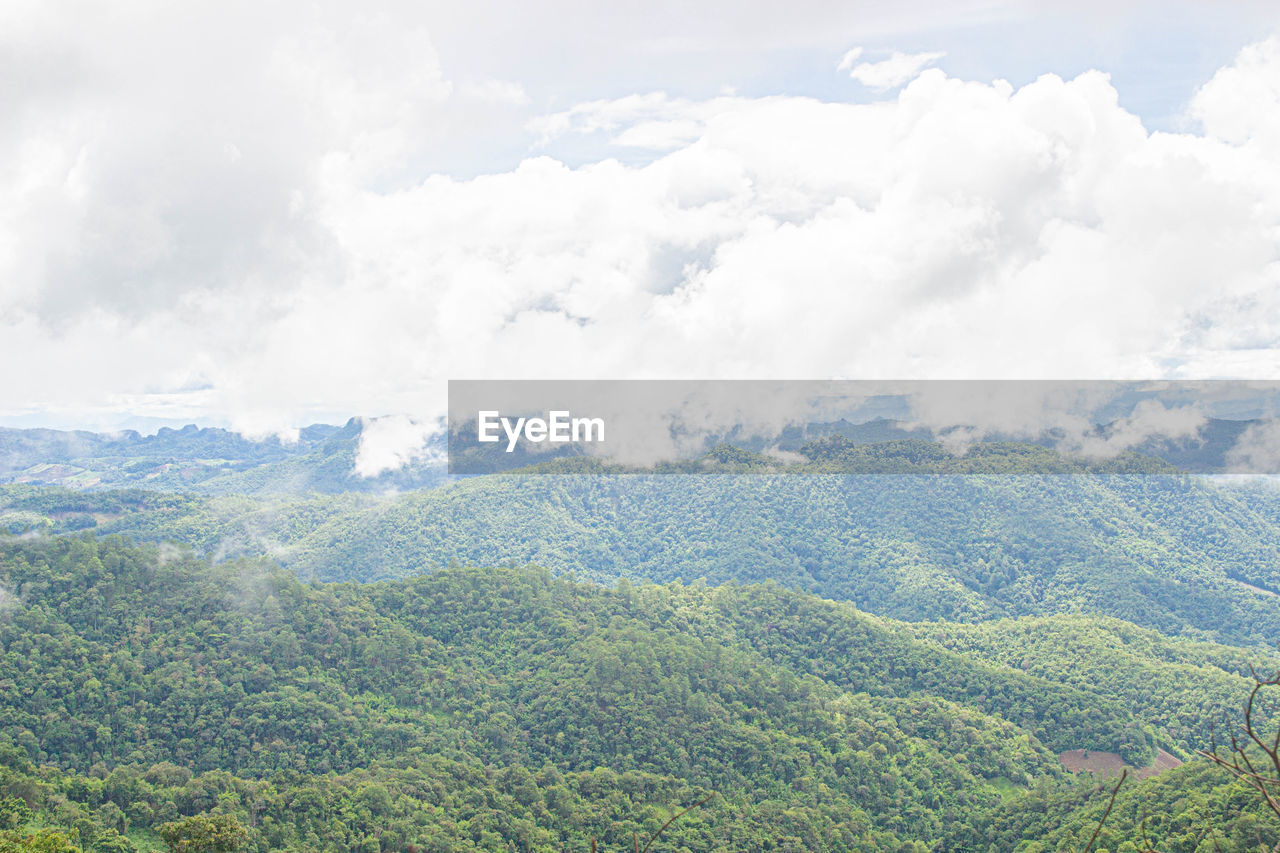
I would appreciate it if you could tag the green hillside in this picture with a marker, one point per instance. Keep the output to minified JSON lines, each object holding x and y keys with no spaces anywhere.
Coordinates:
{"x":528,"y":661}
{"x":1181,"y":687}
{"x":124,"y":666}
{"x":1195,"y":807}
{"x":1182,"y":556}
{"x":115,"y":656}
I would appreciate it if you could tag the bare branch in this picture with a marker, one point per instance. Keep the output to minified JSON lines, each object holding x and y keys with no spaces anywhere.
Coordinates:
{"x":635,"y":837}
{"x":1110,"y":804}
{"x":674,"y":818}
{"x":1238,"y":761}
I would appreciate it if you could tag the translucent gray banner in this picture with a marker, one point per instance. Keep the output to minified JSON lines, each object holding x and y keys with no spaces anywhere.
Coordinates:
{"x":871,"y":427}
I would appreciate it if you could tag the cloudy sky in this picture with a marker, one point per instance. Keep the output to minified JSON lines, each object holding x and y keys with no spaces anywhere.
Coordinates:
{"x":266,"y":215}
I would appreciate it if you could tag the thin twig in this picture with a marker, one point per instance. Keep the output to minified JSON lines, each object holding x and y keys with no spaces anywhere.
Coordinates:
{"x":1110,"y":803}
{"x":701,"y":802}
{"x":635,"y":837}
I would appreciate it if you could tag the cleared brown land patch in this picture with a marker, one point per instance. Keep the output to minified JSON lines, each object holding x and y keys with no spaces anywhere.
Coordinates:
{"x":1165,"y":761}
{"x":1255,"y":588}
{"x":1104,"y":764}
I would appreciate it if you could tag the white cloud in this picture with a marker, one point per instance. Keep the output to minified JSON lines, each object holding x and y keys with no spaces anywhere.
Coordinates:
{"x":258,"y":244}
{"x":968,"y":412}
{"x":1149,"y":419}
{"x":640,"y":118}
{"x":389,"y":443}
{"x":888,"y":73}
{"x":1257,"y":450}
{"x":847,"y":61}
{"x":1241,"y":104}
{"x":498,"y":91}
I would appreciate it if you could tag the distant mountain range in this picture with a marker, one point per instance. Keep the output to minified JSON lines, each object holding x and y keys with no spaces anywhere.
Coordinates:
{"x":206,"y":460}
{"x":215,"y":461}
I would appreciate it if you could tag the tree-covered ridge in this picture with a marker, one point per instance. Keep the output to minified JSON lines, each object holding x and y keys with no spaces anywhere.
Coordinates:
{"x":422,"y":626}
{"x":835,"y":454}
{"x":487,"y":708}
{"x":431,"y":802}
{"x":1183,"y":688}
{"x":1179,"y":555}
{"x":844,"y":647}
{"x":39,"y":510}
{"x":1195,"y":807}
{"x":438,"y":804}
{"x":114,"y":656}
{"x":1080,"y":666}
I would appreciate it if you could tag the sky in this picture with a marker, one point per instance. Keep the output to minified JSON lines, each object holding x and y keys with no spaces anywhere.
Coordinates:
{"x":269,"y":215}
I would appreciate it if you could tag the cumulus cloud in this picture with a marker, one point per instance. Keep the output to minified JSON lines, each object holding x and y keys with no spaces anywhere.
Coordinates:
{"x":389,"y":443}
{"x":139,"y":179}
{"x":1256,"y":450}
{"x":1241,"y":104}
{"x":888,"y":73}
{"x":262,"y":242}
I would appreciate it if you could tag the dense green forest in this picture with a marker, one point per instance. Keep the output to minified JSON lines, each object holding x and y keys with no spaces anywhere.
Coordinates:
{"x":1180,"y":555}
{"x":504,"y":708}
{"x":1172,"y":684}
{"x":214,"y":644}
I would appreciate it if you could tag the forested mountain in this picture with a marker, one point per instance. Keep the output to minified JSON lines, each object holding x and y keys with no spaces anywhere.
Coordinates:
{"x":1165,"y":552}
{"x":1171,"y":684}
{"x":504,"y":708}
{"x":1195,"y":807}
{"x":850,"y":661}
{"x":1181,"y":555}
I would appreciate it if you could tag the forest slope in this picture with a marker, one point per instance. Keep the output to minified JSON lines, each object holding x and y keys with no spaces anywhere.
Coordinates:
{"x":132,"y":668}
{"x":114,"y":655}
{"x":1182,"y":556}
